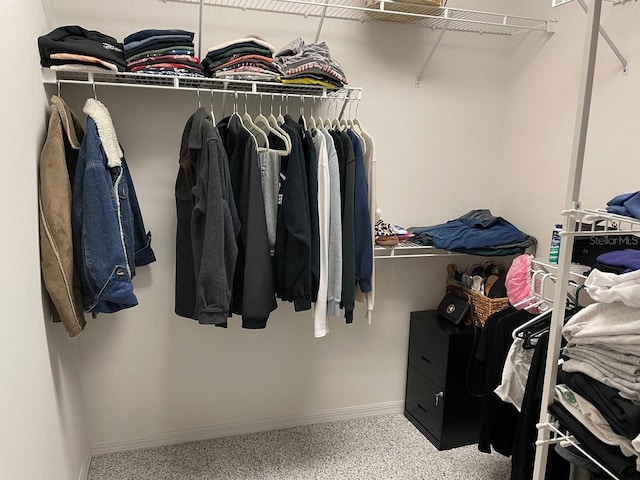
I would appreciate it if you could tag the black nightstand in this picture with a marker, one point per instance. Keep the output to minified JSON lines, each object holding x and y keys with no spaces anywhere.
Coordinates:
{"x":437,"y":401}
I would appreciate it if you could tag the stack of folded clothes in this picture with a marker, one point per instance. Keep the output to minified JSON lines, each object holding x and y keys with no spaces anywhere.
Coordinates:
{"x":309,"y":64}
{"x":74,"y":48}
{"x":477,"y":232}
{"x":248,"y":58}
{"x":162,"y":52}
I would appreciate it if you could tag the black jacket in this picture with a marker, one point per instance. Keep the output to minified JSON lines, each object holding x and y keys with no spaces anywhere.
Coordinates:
{"x":77,"y":40}
{"x":347,"y":164}
{"x":311,"y":166}
{"x":253,"y":285}
{"x":206,"y":247}
{"x":293,"y":232}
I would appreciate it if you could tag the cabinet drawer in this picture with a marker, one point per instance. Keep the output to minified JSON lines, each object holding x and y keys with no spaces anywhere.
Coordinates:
{"x":428,"y":348}
{"x":425,"y":401}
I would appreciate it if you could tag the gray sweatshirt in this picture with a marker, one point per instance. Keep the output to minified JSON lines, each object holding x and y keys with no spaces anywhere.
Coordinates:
{"x":335,"y":231}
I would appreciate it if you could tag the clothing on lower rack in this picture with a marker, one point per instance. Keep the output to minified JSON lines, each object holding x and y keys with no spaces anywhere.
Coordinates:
{"x":609,"y":456}
{"x":498,"y":419}
{"x":623,"y":415}
{"x":525,"y":433}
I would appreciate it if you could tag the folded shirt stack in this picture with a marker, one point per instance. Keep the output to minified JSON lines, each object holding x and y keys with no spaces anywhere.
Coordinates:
{"x":162,"y":52}
{"x":309,"y":65}
{"x":247,"y":58}
{"x":74,"y":48}
{"x":604,"y":343}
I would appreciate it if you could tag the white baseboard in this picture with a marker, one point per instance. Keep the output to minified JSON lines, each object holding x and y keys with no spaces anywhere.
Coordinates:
{"x":84,"y":469}
{"x":243,"y":428}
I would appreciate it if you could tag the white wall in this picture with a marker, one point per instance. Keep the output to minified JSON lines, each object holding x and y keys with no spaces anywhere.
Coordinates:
{"x":41,"y":412}
{"x":148,"y":374}
{"x":540,"y":118}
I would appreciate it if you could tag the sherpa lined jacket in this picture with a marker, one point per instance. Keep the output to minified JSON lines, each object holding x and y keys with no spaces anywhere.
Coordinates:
{"x":57,"y":166}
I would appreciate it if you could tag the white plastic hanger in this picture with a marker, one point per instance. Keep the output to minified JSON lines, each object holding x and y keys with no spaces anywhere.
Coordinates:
{"x":236,"y":114}
{"x":312,"y":121}
{"x":258,"y":133}
{"x":213,"y":117}
{"x":280,"y":118}
{"x":273,"y":123}
{"x":263,"y":122}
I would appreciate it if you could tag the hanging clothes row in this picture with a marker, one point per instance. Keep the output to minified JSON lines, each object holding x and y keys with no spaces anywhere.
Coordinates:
{"x":92,"y":236}
{"x":273,"y":208}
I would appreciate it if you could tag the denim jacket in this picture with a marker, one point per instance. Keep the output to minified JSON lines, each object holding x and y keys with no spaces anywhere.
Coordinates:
{"x":109,"y":238}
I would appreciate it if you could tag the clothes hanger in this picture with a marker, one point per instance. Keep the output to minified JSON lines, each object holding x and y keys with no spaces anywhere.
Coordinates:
{"x":262,"y":121}
{"x":312,"y":121}
{"x":327,"y":120}
{"x":302,"y":119}
{"x":280,"y":118}
{"x":335,"y":123}
{"x":213,"y":117}
{"x":236,"y":114}
{"x":273,"y":124}
{"x":198,"y":94}
{"x":258,"y":133}
{"x":525,"y":326}
{"x":319,"y":120}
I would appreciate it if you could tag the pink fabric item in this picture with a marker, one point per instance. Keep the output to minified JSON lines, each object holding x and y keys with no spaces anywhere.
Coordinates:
{"x":518,"y":281}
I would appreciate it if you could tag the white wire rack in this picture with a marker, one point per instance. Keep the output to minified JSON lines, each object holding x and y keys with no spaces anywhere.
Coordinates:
{"x":392,"y":11}
{"x":409,"y":249}
{"x":565,"y":439}
{"x":600,"y":222}
{"x":205,"y":85}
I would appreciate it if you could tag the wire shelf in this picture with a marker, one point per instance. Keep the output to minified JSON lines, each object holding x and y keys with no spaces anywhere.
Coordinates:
{"x":392,"y":11}
{"x":205,"y":85}
{"x":600,"y":222}
{"x":409,"y":249}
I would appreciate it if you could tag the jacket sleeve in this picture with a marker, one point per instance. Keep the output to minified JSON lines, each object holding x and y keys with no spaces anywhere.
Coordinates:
{"x":141,"y":237}
{"x":213,"y":240}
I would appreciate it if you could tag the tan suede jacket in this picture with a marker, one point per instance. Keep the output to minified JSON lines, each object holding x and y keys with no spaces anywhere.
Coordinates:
{"x":57,"y":163}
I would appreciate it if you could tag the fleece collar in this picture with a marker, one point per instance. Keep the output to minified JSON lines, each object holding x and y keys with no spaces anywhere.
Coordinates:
{"x":107,"y":133}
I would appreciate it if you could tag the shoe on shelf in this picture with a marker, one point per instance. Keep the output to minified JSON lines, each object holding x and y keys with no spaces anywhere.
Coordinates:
{"x":384,"y":234}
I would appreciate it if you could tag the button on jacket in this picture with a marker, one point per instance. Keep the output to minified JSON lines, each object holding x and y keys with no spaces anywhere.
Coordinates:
{"x":57,"y":167}
{"x":109,"y":238}
{"x":206,"y":249}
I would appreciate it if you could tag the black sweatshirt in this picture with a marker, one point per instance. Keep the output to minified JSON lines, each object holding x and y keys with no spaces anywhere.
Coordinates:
{"x":77,"y":40}
{"x":253,"y":283}
{"x":311,"y":167}
{"x":293,"y":232}
{"x":347,"y":164}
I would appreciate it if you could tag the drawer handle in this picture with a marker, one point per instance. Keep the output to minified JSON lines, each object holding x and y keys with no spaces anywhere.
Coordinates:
{"x":423,"y":409}
{"x":422,"y":357}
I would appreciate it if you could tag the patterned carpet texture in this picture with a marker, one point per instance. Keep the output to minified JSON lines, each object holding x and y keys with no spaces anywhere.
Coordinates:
{"x":385,"y":447}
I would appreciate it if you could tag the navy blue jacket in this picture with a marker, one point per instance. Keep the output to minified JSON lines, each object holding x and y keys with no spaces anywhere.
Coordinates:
{"x":361,"y":221}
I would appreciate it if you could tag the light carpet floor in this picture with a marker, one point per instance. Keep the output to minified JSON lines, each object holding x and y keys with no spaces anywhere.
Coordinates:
{"x":385,"y":447}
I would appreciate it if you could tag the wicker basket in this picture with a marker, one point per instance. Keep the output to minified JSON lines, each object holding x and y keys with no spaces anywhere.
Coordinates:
{"x":483,"y":306}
